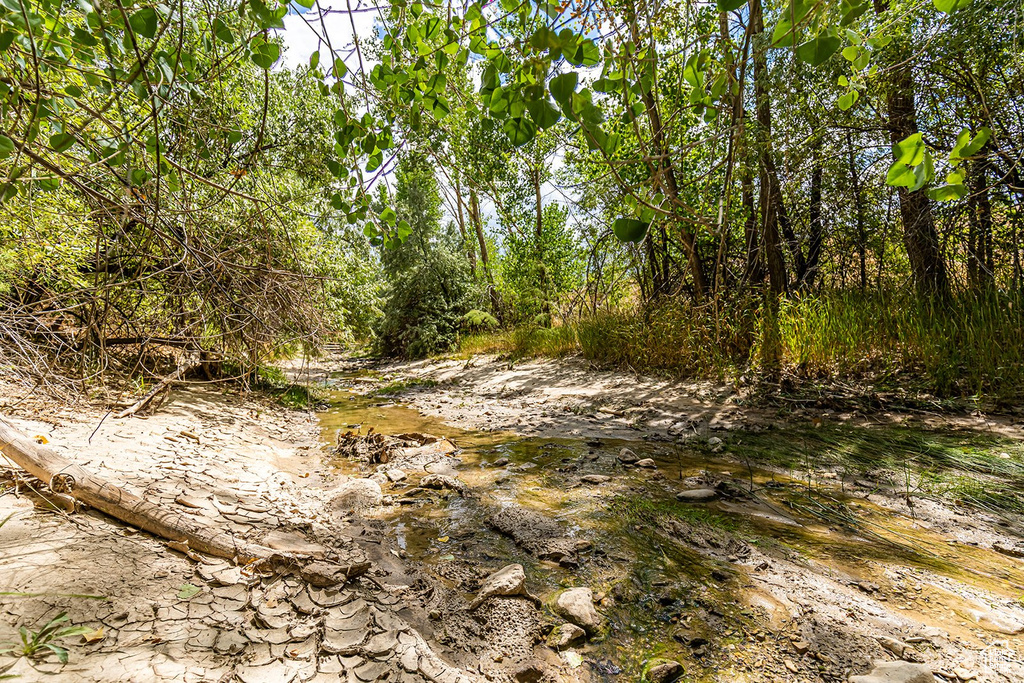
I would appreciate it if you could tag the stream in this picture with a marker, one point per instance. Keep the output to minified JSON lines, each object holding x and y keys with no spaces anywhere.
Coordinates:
{"x":783,"y":575}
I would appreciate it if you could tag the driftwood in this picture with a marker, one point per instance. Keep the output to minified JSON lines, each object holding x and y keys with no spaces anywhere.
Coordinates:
{"x":65,"y":477}
{"x":161,"y":386}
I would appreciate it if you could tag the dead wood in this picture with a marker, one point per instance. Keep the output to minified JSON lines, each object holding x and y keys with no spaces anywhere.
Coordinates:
{"x":160,"y":387}
{"x":65,"y":477}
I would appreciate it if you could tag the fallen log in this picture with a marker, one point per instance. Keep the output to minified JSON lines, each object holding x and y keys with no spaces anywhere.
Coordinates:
{"x":65,"y":477}
{"x":162,"y":385}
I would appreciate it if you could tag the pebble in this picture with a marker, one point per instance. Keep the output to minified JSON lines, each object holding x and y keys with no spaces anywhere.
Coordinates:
{"x":697,"y":495}
{"x":595,"y":478}
{"x":647,"y":463}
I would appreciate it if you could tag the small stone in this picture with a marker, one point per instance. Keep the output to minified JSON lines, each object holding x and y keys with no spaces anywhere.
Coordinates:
{"x":356,"y":493}
{"x":647,"y":463}
{"x":714,"y":441}
{"x":532,"y":671}
{"x":508,"y":581}
{"x":801,"y":647}
{"x":896,"y":647}
{"x":662,"y":670}
{"x":964,"y":674}
{"x":1000,"y":623}
{"x":565,"y":635}
{"x":595,"y":478}
{"x":896,"y":672}
{"x":791,"y":665}
{"x":696,"y":495}
{"x":628,"y":457}
{"x":395,"y":475}
{"x":500,"y":462}
{"x":577,"y":606}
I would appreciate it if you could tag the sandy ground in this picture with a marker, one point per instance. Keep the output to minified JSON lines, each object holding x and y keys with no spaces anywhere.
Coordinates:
{"x":156,"y":615}
{"x":256,"y":469}
{"x":568,"y":397}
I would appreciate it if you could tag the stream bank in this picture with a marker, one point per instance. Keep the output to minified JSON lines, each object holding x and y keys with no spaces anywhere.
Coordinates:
{"x":773,"y":563}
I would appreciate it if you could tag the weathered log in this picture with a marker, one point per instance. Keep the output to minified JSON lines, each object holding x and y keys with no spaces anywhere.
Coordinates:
{"x":162,"y":385}
{"x":68,"y":478}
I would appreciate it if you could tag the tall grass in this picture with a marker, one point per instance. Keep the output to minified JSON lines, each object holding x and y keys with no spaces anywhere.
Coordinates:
{"x":964,"y":345}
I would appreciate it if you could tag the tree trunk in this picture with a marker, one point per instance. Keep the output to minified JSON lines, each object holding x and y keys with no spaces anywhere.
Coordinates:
{"x":919,"y":234}
{"x":470,"y":251}
{"x":770,"y":193}
{"x":858,"y":203}
{"x":816,"y":230}
{"x":64,"y":477}
{"x":754,"y":271}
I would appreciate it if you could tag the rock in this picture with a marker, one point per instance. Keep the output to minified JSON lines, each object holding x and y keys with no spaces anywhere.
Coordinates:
{"x":1009,"y":550}
{"x":356,"y":493}
{"x":896,"y":647}
{"x":395,"y":475}
{"x":537,"y":534}
{"x":628,"y":457}
{"x":998,"y":622}
{"x":291,"y":542}
{"x":697,"y":495}
{"x":647,"y":463}
{"x":577,"y":606}
{"x":595,"y":478}
{"x":565,"y":635}
{"x":662,"y":670}
{"x":964,"y":674}
{"x":442,"y":482}
{"x":714,"y":441}
{"x":507,"y":581}
{"x":324,"y":574}
{"x":801,"y":647}
{"x":791,"y":665}
{"x":532,"y":671}
{"x":896,"y":672}
{"x":500,"y":462}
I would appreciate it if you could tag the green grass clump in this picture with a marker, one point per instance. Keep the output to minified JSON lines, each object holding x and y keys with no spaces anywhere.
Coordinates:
{"x":403,"y":385}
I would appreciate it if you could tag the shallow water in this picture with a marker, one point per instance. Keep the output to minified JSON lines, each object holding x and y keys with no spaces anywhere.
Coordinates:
{"x":664,"y":594}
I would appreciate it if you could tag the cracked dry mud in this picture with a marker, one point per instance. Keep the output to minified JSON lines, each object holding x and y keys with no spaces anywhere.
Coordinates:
{"x":157,"y":615}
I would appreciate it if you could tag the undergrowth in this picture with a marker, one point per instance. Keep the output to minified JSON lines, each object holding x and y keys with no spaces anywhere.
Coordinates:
{"x":962,"y":346}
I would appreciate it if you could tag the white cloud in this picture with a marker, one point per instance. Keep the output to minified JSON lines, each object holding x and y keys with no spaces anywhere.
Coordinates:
{"x":305,"y":34}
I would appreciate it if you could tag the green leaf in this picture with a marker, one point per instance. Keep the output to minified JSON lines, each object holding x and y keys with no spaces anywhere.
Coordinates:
{"x":730,"y":5}
{"x":144,"y":22}
{"x":187,"y":591}
{"x":314,"y":60}
{"x":848,"y":99}
{"x":6,"y":146}
{"x":264,"y":55}
{"x":948,"y":193}
{"x":975,"y":145}
{"x":340,"y":70}
{"x":630,"y":229}
{"x":851,"y":52}
{"x":950,"y":6}
{"x":818,"y":50}
{"x":61,"y":141}
{"x":909,"y":153}
{"x":543,"y":113}
{"x":851,"y":15}
{"x":520,"y":130}
{"x":223,"y":33}
{"x":308,"y":4}
{"x":562,"y":87}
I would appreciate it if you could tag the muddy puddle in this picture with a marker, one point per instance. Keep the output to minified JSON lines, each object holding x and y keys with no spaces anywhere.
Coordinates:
{"x":723,"y":586}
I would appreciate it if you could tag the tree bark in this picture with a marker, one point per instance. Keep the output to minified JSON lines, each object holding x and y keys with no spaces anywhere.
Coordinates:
{"x":919,"y":234}
{"x":858,"y":203}
{"x":816,"y":231}
{"x":470,"y":251}
{"x":64,"y":477}
{"x":770,"y":193}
